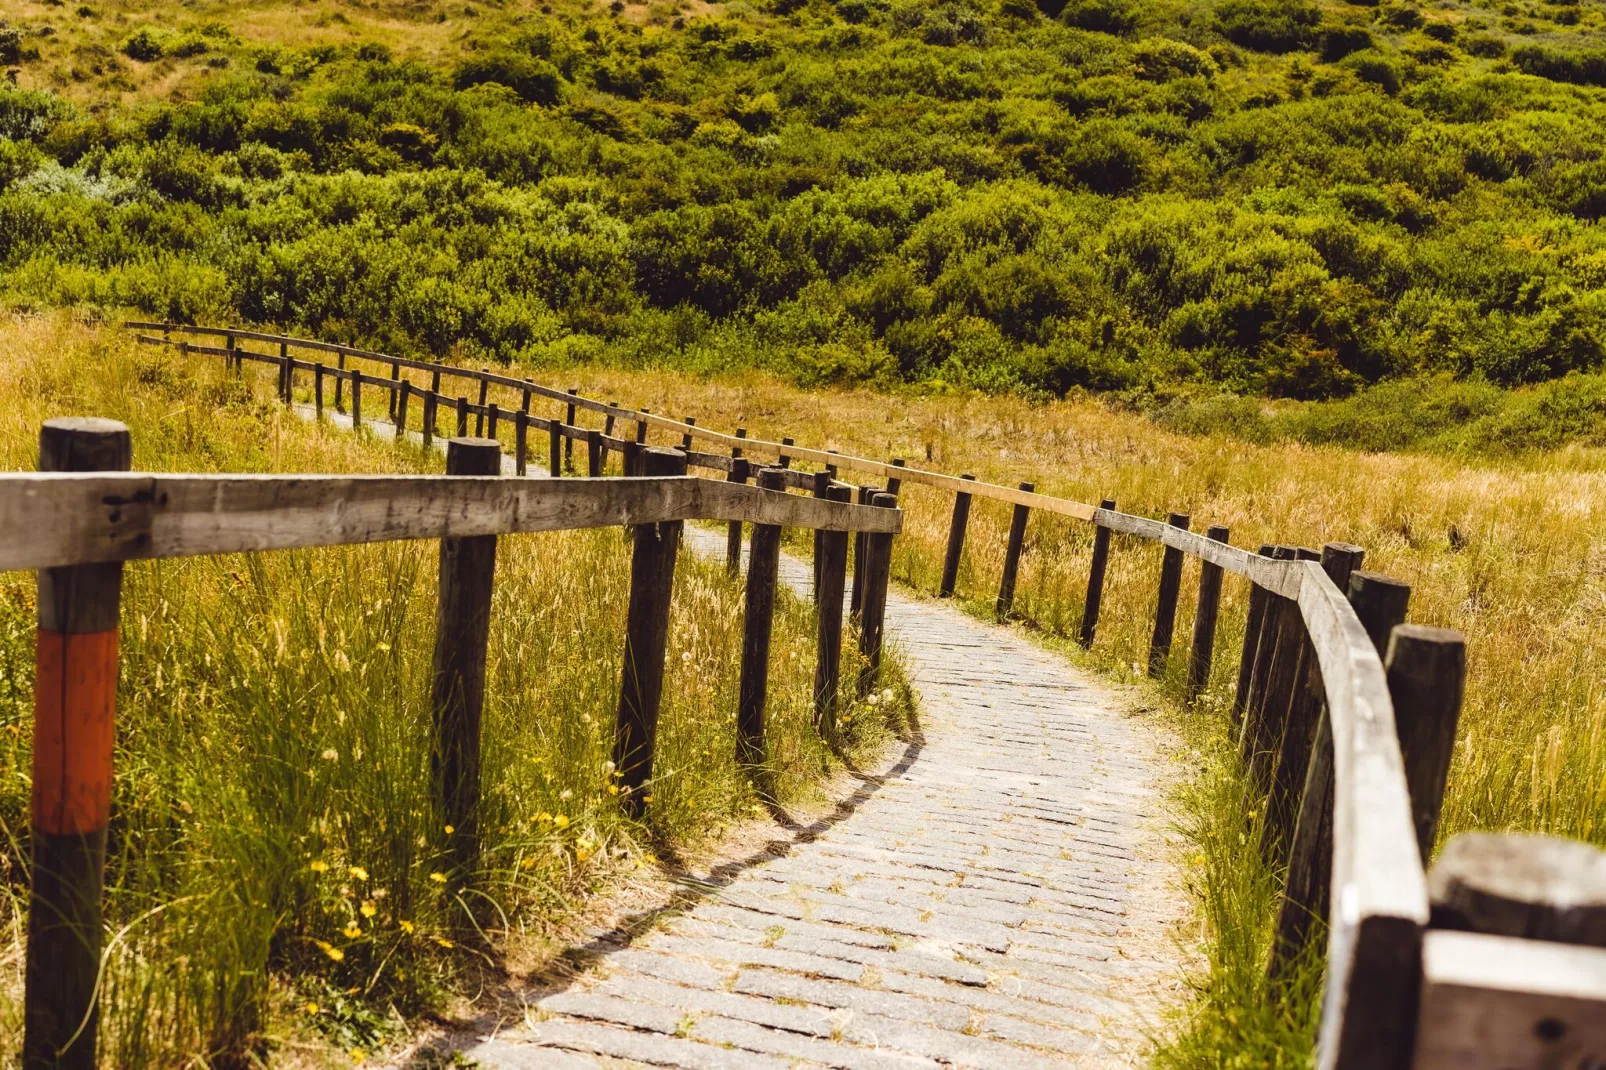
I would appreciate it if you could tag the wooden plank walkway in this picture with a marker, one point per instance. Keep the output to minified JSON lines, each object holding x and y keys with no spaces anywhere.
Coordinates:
{"x":996,"y":894}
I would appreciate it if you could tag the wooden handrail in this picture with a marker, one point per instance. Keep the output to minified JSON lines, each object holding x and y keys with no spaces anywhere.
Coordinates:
{"x":54,"y":519}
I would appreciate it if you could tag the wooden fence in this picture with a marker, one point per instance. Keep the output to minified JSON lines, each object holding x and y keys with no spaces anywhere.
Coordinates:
{"x":1345,"y":714}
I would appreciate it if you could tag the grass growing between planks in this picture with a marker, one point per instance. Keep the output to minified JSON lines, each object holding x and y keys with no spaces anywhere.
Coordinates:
{"x":277,"y":879}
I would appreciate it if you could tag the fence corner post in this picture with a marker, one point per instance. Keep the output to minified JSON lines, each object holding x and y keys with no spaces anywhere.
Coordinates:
{"x":75,"y":702}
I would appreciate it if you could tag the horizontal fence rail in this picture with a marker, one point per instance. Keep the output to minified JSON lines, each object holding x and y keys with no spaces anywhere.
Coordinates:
{"x":1345,"y":715}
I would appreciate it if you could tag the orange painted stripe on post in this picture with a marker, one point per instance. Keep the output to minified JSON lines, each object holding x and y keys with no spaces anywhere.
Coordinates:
{"x":75,"y":699}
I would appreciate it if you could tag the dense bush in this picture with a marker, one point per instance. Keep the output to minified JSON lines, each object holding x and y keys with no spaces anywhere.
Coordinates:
{"x":927,"y":190}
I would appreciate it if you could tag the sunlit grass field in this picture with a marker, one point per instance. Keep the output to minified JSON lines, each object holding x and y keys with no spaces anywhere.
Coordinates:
{"x":278,"y":883}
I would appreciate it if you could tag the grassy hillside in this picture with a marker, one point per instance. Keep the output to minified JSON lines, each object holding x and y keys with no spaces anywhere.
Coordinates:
{"x":1275,"y":197}
{"x":277,"y":882}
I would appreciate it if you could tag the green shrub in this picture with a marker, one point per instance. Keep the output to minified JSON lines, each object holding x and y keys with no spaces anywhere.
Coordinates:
{"x":144,"y":44}
{"x":1336,"y":42}
{"x":1268,"y":25}
{"x":1102,"y":16}
{"x":534,"y":80}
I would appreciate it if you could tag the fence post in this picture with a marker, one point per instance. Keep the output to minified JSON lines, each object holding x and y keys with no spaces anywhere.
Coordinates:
{"x":1282,"y":678}
{"x":1254,"y":625}
{"x":593,"y":452}
{"x":340,"y":381}
{"x":317,"y":389}
{"x":607,"y":420}
{"x":1205,"y":612}
{"x":479,"y":417}
{"x":1380,"y":603}
{"x":763,"y":562}
{"x":1017,"y":540}
{"x":1426,"y":671}
{"x":1165,"y":609}
{"x":1251,"y":738}
{"x":234,"y":363}
{"x":833,"y":558}
{"x":894,"y":483}
{"x":396,"y":389}
{"x":652,"y":576}
{"x":434,"y":376}
{"x":554,"y":442}
{"x":524,"y":397}
{"x":873,"y":610}
{"x":956,"y":542}
{"x":1095,"y":577}
{"x":1293,"y":751}
{"x":356,"y":399}
{"x":521,"y":440}
{"x":430,"y":401}
{"x":406,"y":389}
{"x":462,"y":630}
{"x":685,"y":440}
{"x":822,"y":488}
{"x":733,"y":539}
{"x":462,"y":416}
{"x":641,"y":427}
{"x":856,"y":597}
{"x":493,"y":416}
{"x":568,"y":440}
{"x":784,"y":461}
{"x":287,"y":374}
{"x":75,"y":702}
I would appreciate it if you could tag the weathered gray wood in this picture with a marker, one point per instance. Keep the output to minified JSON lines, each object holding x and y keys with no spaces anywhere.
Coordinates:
{"x":457,"y":692}
{"x":1206,"y":609}
{"x":1012,"y":552}
{"x":1426,"y":672}
{"x":763,"y":563}
{"x":1498,"y":1003}
{"x":75,"y":689}
{"x":1165,"y":609}
{"x":1294,"y":749}
{"x":1277,"y":636}
{"x":1521,"y":885}
{"x":833,"y":557}
{"x":1095,"y":576}
{"x":82,"y":519}
{"x":873,"y":610}
{"x":956,"y":542}
{"x":652,"y":577}
{"x":856,"y":594}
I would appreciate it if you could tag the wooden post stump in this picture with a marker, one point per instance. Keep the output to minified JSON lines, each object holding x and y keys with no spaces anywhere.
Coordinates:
{"x":462,"y":632}
{"x":833,"y":559}
{"x":956,"y":542}
{"x":763,"y":564}
{"x":652,"y":577}
{"x":1017,"y":541}
{"x":1165,"y":609}
{"x":1095,"y":578}
{"x":75,"y":702}
{"x":1205,"y":612}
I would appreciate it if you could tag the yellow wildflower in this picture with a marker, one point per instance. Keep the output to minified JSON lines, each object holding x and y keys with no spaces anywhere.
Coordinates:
{"x":438,"y":877}
{"x":329,"y":949}
{"x":441,"y":940}
{"x":311,"y":1008}
{"x":560,"y":820}
{"x":319,"y":867}
{"x":352,"y":931}
{"x":450,"y":830}
{"x":368,"y":910}
{"x":358,"y":873}
{"x":406,"y":927}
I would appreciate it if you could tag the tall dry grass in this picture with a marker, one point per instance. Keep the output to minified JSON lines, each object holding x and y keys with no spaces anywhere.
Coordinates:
{"x":277,"y":877}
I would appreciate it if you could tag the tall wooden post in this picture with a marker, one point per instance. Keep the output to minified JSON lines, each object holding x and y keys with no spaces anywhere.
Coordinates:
{"x":607,"y":420}
{"x":395,"y":388}
{"x":593,"y":452}
{"x":1095,"y":577}
{"x":652,"y":576}
{"x":873,"y":608}
{"x":1165,"y":609}
{"x":1204,"y":619}
{"x":431,"y":399}
{"x":733,"y":538}
{"x":479,"y":417}
{"x":822,"y":487}
{"x":685,"y":439}
{"x":1017,"y":541}
{"x":1426,"y":673}
{"x":462,"y":632}
{"x":406,"y":388}
{"x":356,"y":399}
{"x":763,"y":564}
{"x":462,"y":416}
{"x":317,"y":389}
{"x":493,"y":416}
{"x":894,"y":484}
{"x":521,"y":441}
{"x":75,"y":702}
{"x":833,"y":558}
{"x":1254,"y":626}
{"x":287,"y":374}
{"x":235,"y":364}
{"x":340,"y":382}
{"x":856,"y":597}
{"x":785,"y":461}
{"x":568,"y":441}
{"x":554,"y":444}
{"x":1380,"y":603}
{"x":1252,"y":734}
{"x":956,"y":542}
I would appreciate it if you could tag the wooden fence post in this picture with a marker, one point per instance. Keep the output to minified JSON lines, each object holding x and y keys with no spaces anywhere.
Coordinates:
{"x":521,"y":441}
{"x":75,"y":702}
{"x":1017,"y":541}
{"x":462,"y":631}
{"x":607,"y":420}
{"x":1095,"y":578}
{"x":479,"y":417}
{"x":1282,"y":679}
{"x":395,"y":389}
{"x":287,"y":373}
{"x":833,"y":557}
{"x":1205,"y":612}
{"x":733,"y":539}
{"x":430,"y":401}
{"x":873,"y":610}
{"x":685,"y":439}
{"x":406,"y":389}
{"x":593,"y":452}
{"x":317,"y":389}
{"x":462,"y":416}
{"x":1165,"y":608}
{"x":493,"y":416}
{"x":340,"y":382}
{"x":1254,"y":625}
{"x":356,"y":399}
{"x":1380,"y":603}
{"x":894,"y":483}
{"x":568,"y":440}
{"x":1251,"y":739}
{"x":524,"y":396}
{"x":233,"y":362}
{"x":1426,"y":672}
{"x":1293,"y":749}
{"x":554,"y":443}
{"x":822,"y":488}
{"x":652,"y":577}
{"x":784,"y":460}
{"x":641,"y":427}
{"x":956,"y":542}
{"x":856,"y":597}
{"x":763,"y":562}
{"x":434,"y":376}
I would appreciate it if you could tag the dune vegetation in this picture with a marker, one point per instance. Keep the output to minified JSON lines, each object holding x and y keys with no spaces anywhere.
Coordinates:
{"x":277,"y":878}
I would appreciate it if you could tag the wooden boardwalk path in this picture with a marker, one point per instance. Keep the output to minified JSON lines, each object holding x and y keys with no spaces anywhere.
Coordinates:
{"x":995,"y":896}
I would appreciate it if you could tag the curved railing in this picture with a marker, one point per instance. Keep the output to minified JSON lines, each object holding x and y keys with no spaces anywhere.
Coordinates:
{"x":1345,"y":716}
